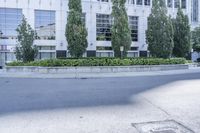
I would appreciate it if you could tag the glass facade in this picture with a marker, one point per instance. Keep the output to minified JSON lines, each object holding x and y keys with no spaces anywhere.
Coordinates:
{"x":176,"y":3}
{"x":183,"y":4}
{"x":104,"y":24}
{"x":46,"y":52}
{"x":131,"y":1}
{"x":195,"y":10}
{"x":83,"y":17}
{"x":147,"y":2}
{"x":139,"y":2}
{"x":10,"y":18}
{"x":133,"y":54}
{"x":169,"y":3}
{"x":7,"y":57}
{"x":3,"y":48}
{"x":133,"y":23}
{"x":46,"y":55}
{"x":103,"y":27}
{"x":105,"y":54}
{"x":103,"y":0}
{"x":45,"y":25}
{"x":46,"y":48}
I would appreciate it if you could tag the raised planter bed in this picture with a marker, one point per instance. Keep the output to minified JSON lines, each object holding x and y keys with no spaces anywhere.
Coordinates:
{"x":93,"y":69}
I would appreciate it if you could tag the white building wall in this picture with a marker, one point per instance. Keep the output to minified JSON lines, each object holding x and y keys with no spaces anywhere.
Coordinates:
{"x":90,"y":7}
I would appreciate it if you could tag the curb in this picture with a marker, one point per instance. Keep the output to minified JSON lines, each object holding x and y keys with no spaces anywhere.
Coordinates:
{"x":93,"y":69}
{"x":98,"y":75}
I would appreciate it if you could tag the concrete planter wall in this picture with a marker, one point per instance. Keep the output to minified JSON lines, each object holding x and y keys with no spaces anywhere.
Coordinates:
{"x":93,"y":69}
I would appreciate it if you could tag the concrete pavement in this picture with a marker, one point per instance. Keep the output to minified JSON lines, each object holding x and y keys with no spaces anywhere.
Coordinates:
{"x":98,"y":105}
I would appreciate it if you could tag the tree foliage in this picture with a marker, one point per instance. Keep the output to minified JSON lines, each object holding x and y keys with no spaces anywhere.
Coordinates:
{"x":121,"y":34}
{"x":159,"y":35}
{"x":76,"y":33}
{"x":182,"y":45}
{"x":25,"y":50}
{"x":195,"y":39}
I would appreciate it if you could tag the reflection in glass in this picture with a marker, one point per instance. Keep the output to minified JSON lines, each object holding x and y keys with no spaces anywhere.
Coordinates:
{"x":10,"y":18}
{"x":195,"y":10}
{"x":133,"y":23}
{"x":103,"y":27}
{"x":176,"y":3}
{"x":46,"y":55}
{"x":45,"y":24}
{"x":169,"y":3}
{"x":183,"y":4}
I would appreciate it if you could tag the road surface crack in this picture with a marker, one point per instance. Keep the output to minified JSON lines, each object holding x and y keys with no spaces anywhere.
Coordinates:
{"x":156,"y":106}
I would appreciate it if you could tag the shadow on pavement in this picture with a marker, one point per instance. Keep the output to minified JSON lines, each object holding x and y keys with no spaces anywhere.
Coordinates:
{"x":24,"y":95}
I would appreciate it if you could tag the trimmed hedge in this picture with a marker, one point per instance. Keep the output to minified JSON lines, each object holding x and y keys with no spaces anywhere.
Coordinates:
{"x":101,"y":62}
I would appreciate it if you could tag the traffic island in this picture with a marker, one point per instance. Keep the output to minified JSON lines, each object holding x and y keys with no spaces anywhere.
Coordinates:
{"x":93,"y":69}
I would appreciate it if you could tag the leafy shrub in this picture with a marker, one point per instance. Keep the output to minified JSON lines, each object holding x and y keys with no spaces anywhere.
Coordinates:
{"x":100,"y":62}
{"x":189,"y":61}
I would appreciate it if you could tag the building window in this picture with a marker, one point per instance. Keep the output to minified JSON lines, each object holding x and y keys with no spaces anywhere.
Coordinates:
{"x":83,"y":18}
{"x":176,"y":3}
{"x":103,"y":0}
{"x":45,"y":24}
{"x":46,"y":55}
{"x":195,"y":10}
{"x":133,"y":23}
{"x":10,"y":56}
{"x":10,"y":18}
{"x":134,"y":48}
{"x":132,"y":54}
{"x":61,"y":54}
{"x":131,"y":1}
{"x":183,"y":4}
{"x":46,"y":52}
{"x":104,"y":54}
{"x":3,"y":48}
{"x":103,"y":27}
{"x":169,"y":3}
{"x":147,"y":2}
{"x":99,"y":48}
{"x":46,"y":48}
{"x":6,"y":57}
{"x":139,"y":2}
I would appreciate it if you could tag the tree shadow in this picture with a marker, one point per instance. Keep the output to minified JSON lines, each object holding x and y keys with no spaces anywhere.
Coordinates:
{"x":24,"y":95}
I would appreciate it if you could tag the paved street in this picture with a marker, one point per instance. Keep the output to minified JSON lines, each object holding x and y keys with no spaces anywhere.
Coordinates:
{"x":98,"y":105}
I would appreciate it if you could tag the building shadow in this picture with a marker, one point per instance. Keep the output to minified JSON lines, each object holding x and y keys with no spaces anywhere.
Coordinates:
{"x":24,"y":95}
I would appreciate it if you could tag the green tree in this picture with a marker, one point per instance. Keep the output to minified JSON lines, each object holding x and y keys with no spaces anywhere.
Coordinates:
{"x":121,"y":34}
{"x":76,"y":33}
{"x":195,"y":39}
{"x":25,"y":50}
{"x":159,"y":35}
{"x":182,"y":45}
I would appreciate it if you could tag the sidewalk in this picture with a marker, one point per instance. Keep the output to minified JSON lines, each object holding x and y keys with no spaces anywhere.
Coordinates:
{"x":97,"y":75}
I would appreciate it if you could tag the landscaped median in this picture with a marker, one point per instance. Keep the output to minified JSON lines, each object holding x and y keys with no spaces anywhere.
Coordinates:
{"x":98,"y":65}
{"x":70,"y":62}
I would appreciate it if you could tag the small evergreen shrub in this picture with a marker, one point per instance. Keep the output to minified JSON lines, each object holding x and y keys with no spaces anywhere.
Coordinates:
{"x":100,"y":62}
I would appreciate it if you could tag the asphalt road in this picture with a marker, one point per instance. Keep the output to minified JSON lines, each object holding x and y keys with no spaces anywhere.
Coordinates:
{"x":101,"y":105}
